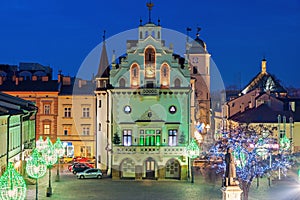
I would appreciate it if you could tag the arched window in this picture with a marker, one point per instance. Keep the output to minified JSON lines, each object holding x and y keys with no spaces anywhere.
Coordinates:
{"x":149,"y":56}
{"x":146,"y":34}
{"x":135,"y":75}
{"x":153,"y":34}
{"x":122,"y":82}
{"x":177,"y":83}
{"x":165,"y":76}
{"x":141,"y":35}
{"x":150,"y":62}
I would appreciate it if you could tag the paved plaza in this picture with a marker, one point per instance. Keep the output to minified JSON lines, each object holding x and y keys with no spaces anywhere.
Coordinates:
{"x":106,"y":189}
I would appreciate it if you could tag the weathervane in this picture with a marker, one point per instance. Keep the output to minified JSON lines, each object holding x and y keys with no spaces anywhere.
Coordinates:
{"x":198,"y":30}
{"x":150,"y":5}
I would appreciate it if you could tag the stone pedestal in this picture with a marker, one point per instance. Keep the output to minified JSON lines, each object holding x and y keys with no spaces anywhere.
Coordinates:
{"x":231,"y":193}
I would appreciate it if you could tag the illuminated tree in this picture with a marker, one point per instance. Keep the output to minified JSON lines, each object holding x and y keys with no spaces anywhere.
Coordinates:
{"x":12,"y":184}
{"x":255,"y":155}
{"x":36,"y":168}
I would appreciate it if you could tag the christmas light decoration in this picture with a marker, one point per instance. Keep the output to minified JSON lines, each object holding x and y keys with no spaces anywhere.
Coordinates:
{"x":192,"y":151}
{"x":36,"y":168}
{"x":60,"y":151}
{"x":12,"y":184}
{"x":255,"y":156}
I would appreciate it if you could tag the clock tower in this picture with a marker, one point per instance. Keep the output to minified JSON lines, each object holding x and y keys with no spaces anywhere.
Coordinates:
{"x":199,"y":64}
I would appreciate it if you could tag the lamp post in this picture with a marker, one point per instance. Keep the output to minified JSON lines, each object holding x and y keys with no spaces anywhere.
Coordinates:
{"x":192,"y":151}
{"x":36,"y":168}
{"x":12,"y":184}
{"x":50,"y":157}
{"x":59,"y":150}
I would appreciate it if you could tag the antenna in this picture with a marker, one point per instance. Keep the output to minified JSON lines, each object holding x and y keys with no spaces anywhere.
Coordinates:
{"x":150,"y":5}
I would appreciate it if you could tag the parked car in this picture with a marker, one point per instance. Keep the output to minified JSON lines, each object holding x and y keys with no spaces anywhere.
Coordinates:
{"x":81,"y":159}
{"x":71,"y":166}
{"x":90,"y":173}
{"x":79,"y":168}
{"x":67,"y":159}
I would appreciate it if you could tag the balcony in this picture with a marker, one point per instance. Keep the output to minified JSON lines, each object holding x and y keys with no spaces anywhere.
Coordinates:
{"x":166,"y":150}
{"x":150,"y":92}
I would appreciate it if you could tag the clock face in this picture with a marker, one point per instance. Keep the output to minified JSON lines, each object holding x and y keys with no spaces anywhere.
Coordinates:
{"x":150,"y":72}
{"x":195,"y":60}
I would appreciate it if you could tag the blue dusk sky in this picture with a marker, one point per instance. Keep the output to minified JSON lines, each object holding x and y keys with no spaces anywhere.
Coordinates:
{"x":238,"y":34}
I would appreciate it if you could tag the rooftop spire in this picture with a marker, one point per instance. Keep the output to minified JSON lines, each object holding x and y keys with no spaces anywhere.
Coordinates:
{"x":264,"y":66}
{"x":103,"y":37}
{"x":103,"y":69}
{"x":150,"y":5}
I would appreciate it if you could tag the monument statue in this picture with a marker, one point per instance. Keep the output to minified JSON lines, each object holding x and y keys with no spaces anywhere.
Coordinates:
{"x":230,"y":172}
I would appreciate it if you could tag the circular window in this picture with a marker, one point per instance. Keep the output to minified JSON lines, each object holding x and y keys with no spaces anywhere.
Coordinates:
{"x":172,"y":109}
{"x":127,"y":109}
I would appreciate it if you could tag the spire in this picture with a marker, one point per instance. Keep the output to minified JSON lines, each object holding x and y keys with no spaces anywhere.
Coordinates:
{"x":264,"y":66}
{"x":113,"y":62}
{"x":103,"y":69}
{"x":150,"y":5}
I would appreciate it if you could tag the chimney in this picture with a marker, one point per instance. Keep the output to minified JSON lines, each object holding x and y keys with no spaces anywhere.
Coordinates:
{"x":242,"y":107}
{"x":45,"y":78}
{"x":59,"y":76}
{"x":66,"y":80}
{"x":17,"y":81}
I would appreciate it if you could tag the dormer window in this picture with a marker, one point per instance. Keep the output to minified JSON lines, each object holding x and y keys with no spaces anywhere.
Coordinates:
{"x":122,"y":83}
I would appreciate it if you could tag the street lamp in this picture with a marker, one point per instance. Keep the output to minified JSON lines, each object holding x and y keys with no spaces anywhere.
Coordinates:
{"x":50,"y":157}
{"x":59,"y":150}
{"x":36,"y":168}
{"x":192,"y":151}
{"x":12,"y":184}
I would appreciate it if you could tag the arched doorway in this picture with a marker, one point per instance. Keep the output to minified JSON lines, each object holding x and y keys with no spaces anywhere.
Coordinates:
{"x":127,"y":169}
{"x":150,"y":168}
{"x":173,"y":169}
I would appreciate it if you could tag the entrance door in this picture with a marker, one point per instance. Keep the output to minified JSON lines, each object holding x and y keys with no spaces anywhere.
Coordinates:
{"x":150,"y":168}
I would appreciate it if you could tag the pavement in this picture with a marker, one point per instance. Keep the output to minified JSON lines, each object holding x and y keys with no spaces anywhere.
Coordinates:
{"x":71,"y":188}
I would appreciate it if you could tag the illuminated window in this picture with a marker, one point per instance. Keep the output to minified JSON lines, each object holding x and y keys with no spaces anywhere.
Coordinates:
{"x":172,"y":137}
{"x":127,"y":137}
{"x":46,"y":129}
{"x":150,"y":137}
{"x":134,"y":75}
{"x":165,"y":77}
